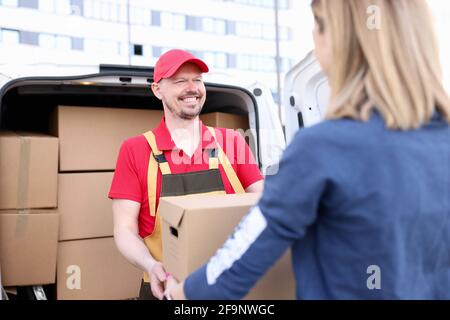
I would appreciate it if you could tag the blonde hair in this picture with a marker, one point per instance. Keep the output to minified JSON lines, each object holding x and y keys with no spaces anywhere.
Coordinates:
{"x":394,"y":69}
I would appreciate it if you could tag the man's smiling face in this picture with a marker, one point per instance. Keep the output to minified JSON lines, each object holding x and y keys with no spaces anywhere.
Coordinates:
{"x":184,"y":93}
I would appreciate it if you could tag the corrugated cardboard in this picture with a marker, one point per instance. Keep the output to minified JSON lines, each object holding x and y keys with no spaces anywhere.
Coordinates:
{"x":85,"y":210}
{"x":28,"y":170}
{"x":28,"y":246}
{"x":90,"y":138}
{"x":94,"y":269}
{"x":225,"y":120}
{"x":194,"y":227}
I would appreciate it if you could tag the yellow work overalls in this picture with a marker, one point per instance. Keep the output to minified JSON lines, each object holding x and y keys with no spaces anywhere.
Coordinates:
{"x":200,"y":182}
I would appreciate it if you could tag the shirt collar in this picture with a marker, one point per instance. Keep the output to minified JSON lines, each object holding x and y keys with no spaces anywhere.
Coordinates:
{"x":164,"y":140}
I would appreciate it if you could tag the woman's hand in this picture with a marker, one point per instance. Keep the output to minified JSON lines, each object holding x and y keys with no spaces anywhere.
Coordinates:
{"x":174,"y":290}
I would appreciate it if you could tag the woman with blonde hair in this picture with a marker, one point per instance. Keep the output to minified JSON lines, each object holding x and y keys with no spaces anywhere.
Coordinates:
{"x":363,"y":198}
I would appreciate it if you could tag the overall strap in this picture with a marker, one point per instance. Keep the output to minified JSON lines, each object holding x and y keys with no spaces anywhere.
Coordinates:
{"x":157,"y":159}
{"x":229,"y":171}
{"x":213,"y":159}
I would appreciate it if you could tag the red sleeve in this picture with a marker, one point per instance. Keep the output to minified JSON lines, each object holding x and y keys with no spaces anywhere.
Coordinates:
{"x":247,"y":169}
{"x":126,"y":183}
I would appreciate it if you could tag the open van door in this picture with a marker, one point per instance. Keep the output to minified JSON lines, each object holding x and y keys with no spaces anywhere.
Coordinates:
{"x":306,"y":94}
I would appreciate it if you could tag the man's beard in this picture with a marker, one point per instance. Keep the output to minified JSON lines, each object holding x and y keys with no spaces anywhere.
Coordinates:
{"x":183,"y":115}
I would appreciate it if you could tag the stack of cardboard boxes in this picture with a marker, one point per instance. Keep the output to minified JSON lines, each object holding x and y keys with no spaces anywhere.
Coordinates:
{"x":56,"y":222}
{"x":225,"y":120}
{"x":89,"y":265}
{"x":28,"y":198}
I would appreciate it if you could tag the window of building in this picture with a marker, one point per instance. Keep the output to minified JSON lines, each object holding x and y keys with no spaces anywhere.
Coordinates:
{"x":147,"y":51}
{"x":105,"y":11}
{"x":231,"y":27}
{"x":63,"y":43}
{"x":285,"y":33}
{"x":166,"y":20}
{"x":284,"y":4}
{"x":179,"y":22}
{"x":124,"y":49}
{"x":92,"y":9}
{"x":62,"y":7}
{"x":10,"y":3}
{"x":268,"y":3}
{"x":193,"y":23}
{"x":122,"y":13}
{"x":77,"y":43}
{"x":208,"y":25}
{"x":221,"y":60}
{"x":241,"y":29}
{"x":137,"y":16}
{"x":138,"y":50}
{"x":47,"y":6}
{"x":217,"y":26}
{"x":32,"y":4}
{"x":198,"y":54}
{"x":216,"y":59}
{"x":256,"y":63}
{"x":257,"y":30}
{"x":10,"y":36}
{"x":268,"y":32}
{"x":146,"y":17}
{"x":114,"y":12}
{"x":156,"y":51}
{"x":28,"y":37}
{"x":231,"y":60}
{"x":91,"y":46}
{"x":156,"y":18}
{"x":88,"y":9}
{"x":243,"y":62}
{"x":76,"y":7}
{"x":47,"y":41}
{"x":173,"y":21}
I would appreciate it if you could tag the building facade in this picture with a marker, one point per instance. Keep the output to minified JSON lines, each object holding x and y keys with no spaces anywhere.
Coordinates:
{"x":235,"y":37}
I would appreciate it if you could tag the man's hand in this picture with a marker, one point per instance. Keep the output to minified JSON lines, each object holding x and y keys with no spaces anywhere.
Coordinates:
{"x":158,"y":277}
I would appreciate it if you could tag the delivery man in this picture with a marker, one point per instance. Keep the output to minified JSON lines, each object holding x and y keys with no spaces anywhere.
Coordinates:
{"x":179,"y":157}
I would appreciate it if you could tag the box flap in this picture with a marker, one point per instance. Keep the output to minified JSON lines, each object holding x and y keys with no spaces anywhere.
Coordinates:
{"x":170,"y":212}
{"x":172,"y":209}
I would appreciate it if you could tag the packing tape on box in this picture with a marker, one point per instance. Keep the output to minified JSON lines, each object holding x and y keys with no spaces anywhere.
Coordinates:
{"x":24,"y":165}
{"x":22,"y":223}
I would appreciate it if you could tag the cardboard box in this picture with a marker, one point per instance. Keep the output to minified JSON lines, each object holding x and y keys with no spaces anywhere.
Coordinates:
{"x":28,"y":247}
{"x":225,"y":120}
{"x":194,"y":227}
{"x":84,"y":207}
{"x":90,"y":138}
{"x":28,"y":170}
{"x":94,"y":269}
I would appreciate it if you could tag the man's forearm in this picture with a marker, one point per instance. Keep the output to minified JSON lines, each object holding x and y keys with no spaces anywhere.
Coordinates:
{"x":134,"y":250}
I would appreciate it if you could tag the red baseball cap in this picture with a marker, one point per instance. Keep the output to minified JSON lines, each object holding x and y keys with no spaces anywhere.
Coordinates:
{"x":169,"y":63}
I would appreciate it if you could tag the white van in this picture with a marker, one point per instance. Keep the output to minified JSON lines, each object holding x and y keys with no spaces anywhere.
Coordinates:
{"x":305,"y":95}
{"x":28,"y":96}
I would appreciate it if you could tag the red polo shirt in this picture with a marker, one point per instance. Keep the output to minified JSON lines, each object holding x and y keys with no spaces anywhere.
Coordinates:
{"x":130,"y":177}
